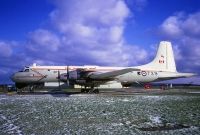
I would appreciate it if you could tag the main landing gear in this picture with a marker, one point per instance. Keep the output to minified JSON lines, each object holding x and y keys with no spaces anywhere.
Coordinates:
{"x":90,"y":90}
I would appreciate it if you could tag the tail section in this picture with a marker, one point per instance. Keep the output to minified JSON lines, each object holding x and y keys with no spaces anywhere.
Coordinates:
{"x":164,"y":60}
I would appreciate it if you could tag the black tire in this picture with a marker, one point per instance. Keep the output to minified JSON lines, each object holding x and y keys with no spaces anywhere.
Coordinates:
{"x":82,"y":90}
{"x":96,"y":91}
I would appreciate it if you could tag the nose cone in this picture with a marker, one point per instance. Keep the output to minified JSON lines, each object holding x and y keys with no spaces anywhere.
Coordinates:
{"x":13,"y":77}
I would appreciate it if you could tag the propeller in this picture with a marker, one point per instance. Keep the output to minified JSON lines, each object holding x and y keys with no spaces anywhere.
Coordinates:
{"x":59,"y":79}
{"x":67,"y":75}
{"x":63,"y":77}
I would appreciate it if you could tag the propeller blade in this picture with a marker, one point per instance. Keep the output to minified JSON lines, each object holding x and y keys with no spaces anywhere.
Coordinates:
{"x":59,"y":79}
{"x":68,"y":75}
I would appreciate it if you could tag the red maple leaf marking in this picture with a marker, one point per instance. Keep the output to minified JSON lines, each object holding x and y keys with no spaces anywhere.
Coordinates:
{"x":161,"y":61}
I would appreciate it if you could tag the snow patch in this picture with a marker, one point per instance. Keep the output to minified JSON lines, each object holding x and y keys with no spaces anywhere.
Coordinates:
{"x":125,"y":100}
{"x":156,"y":119}
{"x":194,"y":92}
{"x":117,"y":124}
{"x":9,"y":127}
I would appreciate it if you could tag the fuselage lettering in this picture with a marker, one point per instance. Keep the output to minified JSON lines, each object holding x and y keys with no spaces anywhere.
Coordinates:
{"x":147,"y":73}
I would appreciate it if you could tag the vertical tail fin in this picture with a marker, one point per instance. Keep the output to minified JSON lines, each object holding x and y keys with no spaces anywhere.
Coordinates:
{"x":164,"y":60}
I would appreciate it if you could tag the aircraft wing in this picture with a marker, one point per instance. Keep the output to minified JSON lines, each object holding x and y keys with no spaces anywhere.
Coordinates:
{"x":110,"y":75}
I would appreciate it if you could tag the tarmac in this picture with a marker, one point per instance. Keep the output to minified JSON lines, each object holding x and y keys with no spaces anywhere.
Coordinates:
{"x":112,"y":111}
{"x":110,"y":92}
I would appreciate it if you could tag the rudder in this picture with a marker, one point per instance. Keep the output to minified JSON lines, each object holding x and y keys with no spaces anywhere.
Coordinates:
{"x":164,"y":60}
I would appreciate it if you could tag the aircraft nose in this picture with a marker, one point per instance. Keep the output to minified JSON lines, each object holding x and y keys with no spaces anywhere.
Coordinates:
{"x":13,"y":77}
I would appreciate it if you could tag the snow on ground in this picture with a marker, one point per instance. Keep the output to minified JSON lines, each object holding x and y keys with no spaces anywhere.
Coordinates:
{"x":96,"y":114}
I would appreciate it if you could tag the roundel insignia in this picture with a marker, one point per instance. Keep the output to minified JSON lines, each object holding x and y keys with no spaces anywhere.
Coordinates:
{"x":144,"y":73}
{"x":139,"y":73}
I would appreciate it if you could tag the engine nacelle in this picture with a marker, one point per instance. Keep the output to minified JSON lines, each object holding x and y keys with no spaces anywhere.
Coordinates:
{"x":73,"y":75}
{"x":63,"y":77}
{"x":124,"y":84}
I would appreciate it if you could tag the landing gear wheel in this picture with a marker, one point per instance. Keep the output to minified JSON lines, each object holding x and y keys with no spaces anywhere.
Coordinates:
{"x":96,"y":91}
{"x":87,"y":90}
{"x":31,"y":89}
{"x":84,"y":90}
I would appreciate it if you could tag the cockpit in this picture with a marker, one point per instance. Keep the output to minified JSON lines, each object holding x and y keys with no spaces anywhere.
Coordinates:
{"x":26,"y":69}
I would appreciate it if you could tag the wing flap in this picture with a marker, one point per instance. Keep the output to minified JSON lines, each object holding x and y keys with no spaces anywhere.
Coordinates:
{"x":110,"y":75}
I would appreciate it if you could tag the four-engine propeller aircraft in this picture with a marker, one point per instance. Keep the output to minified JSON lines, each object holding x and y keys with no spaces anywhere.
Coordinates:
{"x":163,"y":67}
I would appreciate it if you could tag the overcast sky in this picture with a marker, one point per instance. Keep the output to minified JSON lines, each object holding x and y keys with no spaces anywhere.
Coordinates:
{"x":97,"y":32}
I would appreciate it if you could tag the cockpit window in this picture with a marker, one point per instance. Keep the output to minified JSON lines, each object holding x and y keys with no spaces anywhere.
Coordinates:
{"x":26,"y":70}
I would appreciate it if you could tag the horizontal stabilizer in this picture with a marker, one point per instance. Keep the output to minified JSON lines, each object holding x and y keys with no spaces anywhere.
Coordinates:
{"x":175,"y":75}
{"x":185,"y":75}
{"x":110,"y":75}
